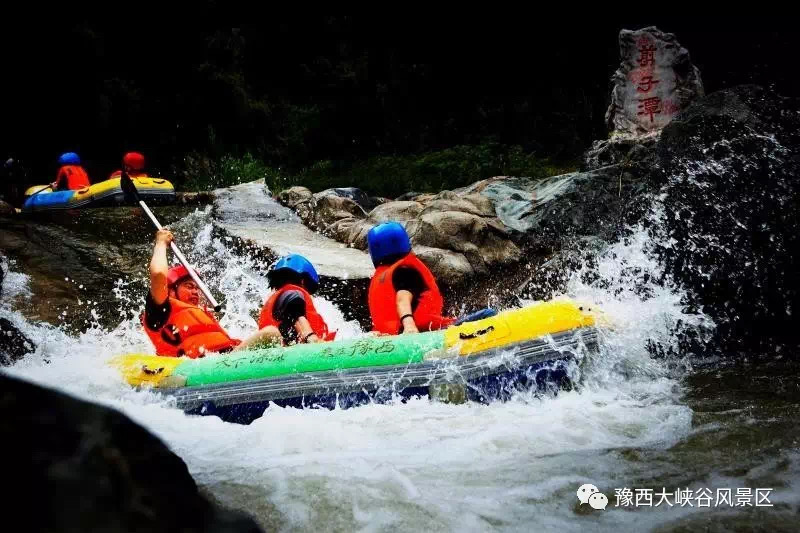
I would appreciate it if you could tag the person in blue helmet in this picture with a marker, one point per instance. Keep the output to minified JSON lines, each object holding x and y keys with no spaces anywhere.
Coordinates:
{"x":71,"y":175}
{"x":403,"y":294}
{"x":290,"y":309}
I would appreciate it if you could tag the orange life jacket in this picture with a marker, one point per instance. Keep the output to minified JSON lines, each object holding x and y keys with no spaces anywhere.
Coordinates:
{"x":318,"y":325}
{"x":73,"y":176}
{"x":132,"y":174}
{"x":190,"y":331}
{"x":383,"y":299}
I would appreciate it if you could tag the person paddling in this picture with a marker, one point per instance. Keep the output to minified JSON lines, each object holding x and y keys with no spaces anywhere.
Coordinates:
{"x":175,"y":317}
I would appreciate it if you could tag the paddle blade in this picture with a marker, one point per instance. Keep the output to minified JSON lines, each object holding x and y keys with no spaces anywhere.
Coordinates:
{"x":128,"y":188}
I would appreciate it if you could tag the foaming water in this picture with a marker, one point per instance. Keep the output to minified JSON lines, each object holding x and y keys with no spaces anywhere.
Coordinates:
{"x":420,"y":464}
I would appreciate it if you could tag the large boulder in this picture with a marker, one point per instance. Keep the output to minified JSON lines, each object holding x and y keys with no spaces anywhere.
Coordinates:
{"x":355,"y":194}
{"x":194,"y":198}
{"x":546,"y":214}
{"x":474,"y":204}
{"x":293,"y":196}
{"x":483,"y":242}
{"x":14,"y":344}
{"x":719,"y":195}
{"x":411,"y":195}
{"x":75,"y":466}
{"x":322,"y":210}
{"x":325,"y":210}
{"x":402,"y":211}
{"x":731,"y":225}
{"x":516,"y":199}
{"x":6,"y":209}
{"x":456,"y":235}
{"x":453,"y":267}
{"x":655,"y":80}
{"x":618,"y":151}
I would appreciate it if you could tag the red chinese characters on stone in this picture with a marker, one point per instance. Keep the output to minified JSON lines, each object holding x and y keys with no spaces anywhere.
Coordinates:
{"x":646,"y":53}
{"x":650,"y":106}
{"x":646,"y":83}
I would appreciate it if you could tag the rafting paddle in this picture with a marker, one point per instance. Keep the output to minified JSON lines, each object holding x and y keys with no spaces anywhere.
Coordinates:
{"x":42,"y":189}
{"x":129,"y":188}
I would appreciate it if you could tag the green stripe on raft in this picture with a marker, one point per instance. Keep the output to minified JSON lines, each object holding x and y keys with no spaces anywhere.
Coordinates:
{"x":336,"y":355}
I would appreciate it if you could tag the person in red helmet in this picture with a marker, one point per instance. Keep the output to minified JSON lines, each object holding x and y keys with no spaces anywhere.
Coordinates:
{"x":133,"y":163}
{"x":174,"y":318}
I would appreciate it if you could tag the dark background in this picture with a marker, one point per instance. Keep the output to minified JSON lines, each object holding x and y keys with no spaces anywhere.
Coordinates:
{"x":297,"y":89}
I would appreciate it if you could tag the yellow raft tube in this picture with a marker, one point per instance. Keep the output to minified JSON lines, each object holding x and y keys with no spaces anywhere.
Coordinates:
{"x":106,"y":193}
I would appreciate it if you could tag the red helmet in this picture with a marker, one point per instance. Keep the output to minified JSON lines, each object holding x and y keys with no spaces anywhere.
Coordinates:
{"x":176,"y":274}
{"x":133,"y":160}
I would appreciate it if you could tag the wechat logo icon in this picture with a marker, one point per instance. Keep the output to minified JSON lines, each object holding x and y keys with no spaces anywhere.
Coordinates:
{"x":588,"y":493}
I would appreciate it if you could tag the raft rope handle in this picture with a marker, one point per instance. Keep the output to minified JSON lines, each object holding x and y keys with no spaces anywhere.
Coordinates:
{"x":476,"y":334}
{"x":152,"y":371}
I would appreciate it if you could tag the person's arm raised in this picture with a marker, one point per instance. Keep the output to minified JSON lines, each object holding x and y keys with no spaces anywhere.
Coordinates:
{"x":159,"y":267}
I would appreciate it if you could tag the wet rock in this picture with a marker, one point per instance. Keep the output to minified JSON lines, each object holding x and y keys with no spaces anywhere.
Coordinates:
{"x":194,"y":198}
{"x":474,"y":204}
{"x":326,"y":210}
{"x":619,"y":151}
{"x":445,"y":264}
{"x":408,"y":196}
{"x":547,"y":213}
{"x":398,"y":211}
{"x":76,"y":466}
{"x":730,"y":165}
{"x":355,"y":194}
{"x":292,"y":196}
{"x":14,"y":344}
{"x":6,"y":209}
{"x":73,"y":257}
{"x":249,"y":213}
{"x":482,"y":242}
{"x":459,"y":234}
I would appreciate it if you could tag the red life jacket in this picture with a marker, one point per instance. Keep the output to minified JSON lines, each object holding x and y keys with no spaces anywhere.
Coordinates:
{"x":190,"y":331}
{"x":383,"y":299}
{"x":73,"y":177}
{"x":318,"y":325}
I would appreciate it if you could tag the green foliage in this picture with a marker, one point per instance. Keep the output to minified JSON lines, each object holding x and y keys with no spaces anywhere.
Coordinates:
{"x":391,"y":176}
{"x":388,"y":176}
{"x":201,"y":173}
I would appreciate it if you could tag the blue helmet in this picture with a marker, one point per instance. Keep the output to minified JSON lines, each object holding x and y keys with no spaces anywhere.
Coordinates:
{"x":297,"y":264}
{"x":69,"y":158}
{"x":387,"y":240}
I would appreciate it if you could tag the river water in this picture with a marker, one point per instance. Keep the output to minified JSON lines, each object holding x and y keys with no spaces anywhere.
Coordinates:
{"x":646,"y":424}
